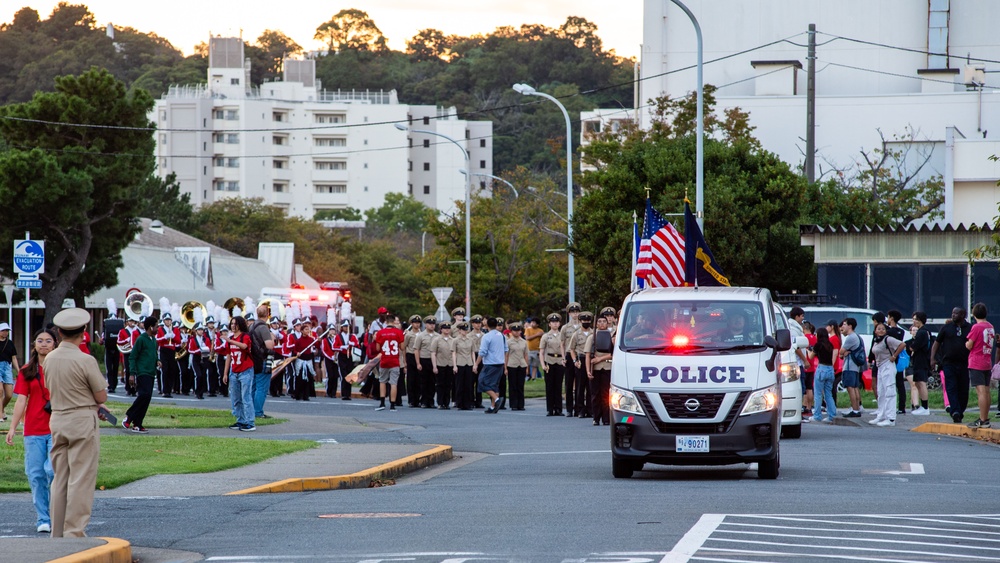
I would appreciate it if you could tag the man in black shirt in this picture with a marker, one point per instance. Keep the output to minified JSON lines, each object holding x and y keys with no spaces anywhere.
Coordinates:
{"x":952,"y":357}
{"x":893,"y":329}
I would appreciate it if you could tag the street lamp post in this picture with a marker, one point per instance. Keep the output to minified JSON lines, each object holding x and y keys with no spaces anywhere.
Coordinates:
{"x":699,"y":170}
{"x":468,"y":211}
{"x":526,"y":90}
{"x":499,"y":179}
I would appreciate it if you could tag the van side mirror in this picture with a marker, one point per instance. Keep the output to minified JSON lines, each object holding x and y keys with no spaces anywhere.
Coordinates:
{"x":783,"y":336}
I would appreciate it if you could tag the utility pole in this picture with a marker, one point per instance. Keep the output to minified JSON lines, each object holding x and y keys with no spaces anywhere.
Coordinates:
{"x":810,"y":164}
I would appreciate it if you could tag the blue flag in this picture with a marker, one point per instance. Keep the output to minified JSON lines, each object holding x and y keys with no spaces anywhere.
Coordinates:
{"x":700,"y":267}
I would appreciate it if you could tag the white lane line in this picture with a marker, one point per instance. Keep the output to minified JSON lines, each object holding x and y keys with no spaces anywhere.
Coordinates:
{"x":694,"y":539}
{"x":855,"y":523}
{"x":964,"y":535}
{"x":378,"y":556}
{"x":933,"y":520}
{"x":862,"y":549}
{"x":812,"y":555}
{"x":558,"y":453}
{"x":856,"y":539}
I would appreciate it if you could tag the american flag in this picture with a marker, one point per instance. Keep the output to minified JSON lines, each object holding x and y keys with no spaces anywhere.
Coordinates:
{"x":661,"y":252}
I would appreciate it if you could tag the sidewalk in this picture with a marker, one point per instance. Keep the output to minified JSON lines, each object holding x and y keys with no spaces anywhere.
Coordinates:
{"x":330,"y":466}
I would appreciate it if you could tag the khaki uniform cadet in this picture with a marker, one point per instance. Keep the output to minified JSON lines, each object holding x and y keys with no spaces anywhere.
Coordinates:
{"x":410,"y":351}
{"x":598,"y":366}
{"x":458,"y":315}
{"x":423,"y":343}
{"x":476,"y":332}
{"x":517,"y":365}
{"x":566,"y":333}
{"x":577,"y":349}
{"x":464,"y":357}
{"x":443,"y":360}
{"x":553,"y":356}
{"x":77,"y":389}
{"x":611,"y":315}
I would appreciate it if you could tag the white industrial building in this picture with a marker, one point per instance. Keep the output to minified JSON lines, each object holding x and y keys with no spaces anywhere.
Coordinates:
{"x":306,"y":149}
{"x":923,"y":70}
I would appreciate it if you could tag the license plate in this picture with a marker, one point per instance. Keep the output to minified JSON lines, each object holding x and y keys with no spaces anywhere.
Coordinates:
{"x":692,"y":444}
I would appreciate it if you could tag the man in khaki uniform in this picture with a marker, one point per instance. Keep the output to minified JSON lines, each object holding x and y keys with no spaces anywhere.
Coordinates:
{"x":553,"y":357}
{"x":443,"y":365}
{"x":599,"y":372}
{"x":77,"y":391}
{"x":577,"y":350}
{"x":425,"y":368}
{"x":412,"y":365}
{"x":517,"y":366}
{"x":464,"y":357}
{"x":476,"y":332}
{"x":566,"y":333}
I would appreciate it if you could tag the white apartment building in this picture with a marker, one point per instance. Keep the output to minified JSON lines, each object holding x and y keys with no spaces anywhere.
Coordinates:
{"x":306,"y":149}
{"x":873,"y":74}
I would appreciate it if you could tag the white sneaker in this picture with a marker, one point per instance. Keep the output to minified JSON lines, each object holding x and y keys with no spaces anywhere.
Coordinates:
{"x":875,"y":420}
{"x":44,"y":528}
{"x":885,"y":423}
{"x":920,"y":411}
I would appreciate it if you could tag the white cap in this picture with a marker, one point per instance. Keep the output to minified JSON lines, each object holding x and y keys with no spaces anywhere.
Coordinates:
{"x":4,"y":326}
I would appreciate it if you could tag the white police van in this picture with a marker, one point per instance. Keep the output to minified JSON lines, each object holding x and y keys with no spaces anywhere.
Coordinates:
{"x":695,"y":379}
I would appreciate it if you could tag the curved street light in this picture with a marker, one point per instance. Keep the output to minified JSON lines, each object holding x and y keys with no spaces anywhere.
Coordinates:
{"x":468,"y":214}
{"x":526,"y":90}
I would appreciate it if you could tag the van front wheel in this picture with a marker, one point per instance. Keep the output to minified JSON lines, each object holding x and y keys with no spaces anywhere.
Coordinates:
{"x":768,"y":469}
{"x":621,"y":469}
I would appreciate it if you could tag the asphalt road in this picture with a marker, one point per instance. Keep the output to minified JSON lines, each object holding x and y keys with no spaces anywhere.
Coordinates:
{"x":525,"y":487}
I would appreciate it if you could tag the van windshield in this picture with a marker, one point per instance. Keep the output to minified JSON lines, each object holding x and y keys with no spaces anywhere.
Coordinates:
{"x":691,"y":327}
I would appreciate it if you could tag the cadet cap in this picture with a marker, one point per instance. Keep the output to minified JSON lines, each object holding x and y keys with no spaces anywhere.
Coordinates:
{"x":458,"y":311}
{"x":71,"y":319}
{"x":554,"y":318}
{"x":429,"y":319}
{"x":445,"y":325}
{"x":586,"y":316}
{"x":500,"y":321}
{"x":462,"y":326}
{"x":573,"y":307}
{"x":476,"y":318}
{"x":516,"y":326}
{"x":415,"y":318}
{"x":608,"y":311}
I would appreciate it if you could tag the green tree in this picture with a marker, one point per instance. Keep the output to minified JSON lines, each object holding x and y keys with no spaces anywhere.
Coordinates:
{"x":267,"y":55}
{"x":351,"y":29}
{"x":399,"y":214}
{"x":161,"y":198}
{"x":345,"y":214}
{"x":70,"y":175}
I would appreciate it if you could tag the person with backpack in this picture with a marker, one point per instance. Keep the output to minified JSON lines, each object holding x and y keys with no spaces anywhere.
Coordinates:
{"x":893,"y":329}
{"x":261,"y":344}
{"x":919,"y":348}
{"x":852,"y":352}
{"x":599,"y":349}
{"x":886,"y":350}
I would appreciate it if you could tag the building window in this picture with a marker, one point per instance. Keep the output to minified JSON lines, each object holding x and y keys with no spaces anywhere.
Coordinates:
{"x":427,"y":143}
{"x":482,"y":143}
{"x":331,"y":188}
{"x":228,"y":138}
{"x":163,"y":115}
{"x":482,"y":185}
{"x":409,"y":164}
{"x":468,"y":135}
{"x":279,"y":116}
{"x":482,"y":164}
{"x":427,"y":190}
{"x":427,"y":167}
{"x":163,"y":138}
{"x":280,"y":187}
{"x":331,"y":165}
{"x":330,"y":141}
{"x":226,"y":162}
{"x":427,"y":120}
{"x":279,"y":140}
{"x":280,"y":164}
{"x":218,"y":114}
{"x":226,"y":186}
{"x":330,"y":118}
{"x":411,"y":189}
{"x":234,"y":81}
{"x":410,"y":140}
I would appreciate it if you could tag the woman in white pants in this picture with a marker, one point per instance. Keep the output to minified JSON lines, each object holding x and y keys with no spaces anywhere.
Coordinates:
{"x":886,"y":349}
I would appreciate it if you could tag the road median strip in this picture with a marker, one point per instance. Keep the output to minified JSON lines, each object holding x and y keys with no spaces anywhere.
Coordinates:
{"x":359,"y":480}
{"x":961,"y":430}
{"x":114,"y":551}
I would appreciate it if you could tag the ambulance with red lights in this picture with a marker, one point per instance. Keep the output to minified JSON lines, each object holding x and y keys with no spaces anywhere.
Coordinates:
{"x":695,"y":379}
{"x":330,"y":304}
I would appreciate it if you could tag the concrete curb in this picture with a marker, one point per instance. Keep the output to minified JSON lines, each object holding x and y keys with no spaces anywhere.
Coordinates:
{"x":359,"y":480}
{"x":115,"y":551}
{"x":983,"y":434}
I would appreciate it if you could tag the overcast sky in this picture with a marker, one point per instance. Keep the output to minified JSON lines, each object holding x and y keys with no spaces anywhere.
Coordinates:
{"x":188,"y":22}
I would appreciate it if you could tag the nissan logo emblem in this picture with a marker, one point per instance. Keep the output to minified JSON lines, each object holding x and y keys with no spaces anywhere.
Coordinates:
{"x":692,"y":404}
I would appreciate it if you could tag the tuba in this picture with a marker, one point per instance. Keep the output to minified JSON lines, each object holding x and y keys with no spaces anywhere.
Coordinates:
{"x":138,"y":305}
{"x":232,"y":303}
{"x":188,"y":318}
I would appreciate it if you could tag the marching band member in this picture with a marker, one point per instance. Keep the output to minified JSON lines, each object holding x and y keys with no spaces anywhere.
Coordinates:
{"x":221,"y":353}
{"x":329,"y":352}
{"x":199,"y":347}
{"x":304,"y":374}
{"x":187,"y":374}
{"x":168,"y":338}
{"x":345,"y":343}
{"x":127,"y":337}
{"x":288,"y":351}
{"x":211,"y":370}
{"x":278,"y":335}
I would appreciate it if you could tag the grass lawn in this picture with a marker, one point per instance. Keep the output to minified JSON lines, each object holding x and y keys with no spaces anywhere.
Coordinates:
{"x":169,"y":416}
{"x":131,"y":457}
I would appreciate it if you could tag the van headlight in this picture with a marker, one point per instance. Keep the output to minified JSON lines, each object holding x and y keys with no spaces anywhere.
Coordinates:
{"x":624,"y":400}
{"x":761,"y":400}
{"x":789,"y":372}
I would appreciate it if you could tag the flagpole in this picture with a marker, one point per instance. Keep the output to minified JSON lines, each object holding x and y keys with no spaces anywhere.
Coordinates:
{"x":635,"y":250}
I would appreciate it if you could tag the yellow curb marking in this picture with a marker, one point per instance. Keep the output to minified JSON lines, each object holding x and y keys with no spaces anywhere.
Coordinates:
{"x":985,"y":434}
{"x":115,"y":551}
{"x":359,"y":480}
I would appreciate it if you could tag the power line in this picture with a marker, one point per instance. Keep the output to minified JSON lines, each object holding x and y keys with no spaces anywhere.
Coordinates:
{"x":887,"y":73}
{"x":908,"y":49}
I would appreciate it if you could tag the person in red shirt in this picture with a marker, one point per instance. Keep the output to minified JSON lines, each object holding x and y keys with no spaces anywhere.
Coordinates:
{"x":85,"y":344}
{"x":389,"y":341}
{"x":304,"y":349}
{"x":32,"y":398}
{"x":239,"y":365}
